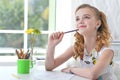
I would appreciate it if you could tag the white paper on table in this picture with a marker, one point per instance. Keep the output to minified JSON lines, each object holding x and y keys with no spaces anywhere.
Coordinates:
{"x":52,"y":75}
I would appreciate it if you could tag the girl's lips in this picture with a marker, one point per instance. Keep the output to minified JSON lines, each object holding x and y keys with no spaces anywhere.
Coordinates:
{"x":82,"y":26}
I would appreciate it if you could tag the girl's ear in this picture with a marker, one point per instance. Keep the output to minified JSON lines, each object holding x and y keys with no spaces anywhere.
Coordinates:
{"x":98,"y":24}
{"x":97,"y":27}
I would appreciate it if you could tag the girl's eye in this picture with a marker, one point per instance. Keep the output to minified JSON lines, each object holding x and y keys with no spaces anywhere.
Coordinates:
{"x":82,"y":18}
{"x":77,"y":19}
{"x":86,"y":17}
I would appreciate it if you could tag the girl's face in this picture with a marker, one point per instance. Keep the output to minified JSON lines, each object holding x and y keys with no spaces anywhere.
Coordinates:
{"x":86,"y":21}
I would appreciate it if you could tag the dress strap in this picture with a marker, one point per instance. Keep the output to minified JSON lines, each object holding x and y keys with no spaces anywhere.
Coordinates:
{"x":103,"y":49}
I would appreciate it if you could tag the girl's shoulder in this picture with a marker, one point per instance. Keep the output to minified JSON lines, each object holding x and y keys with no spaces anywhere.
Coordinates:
{"x":105,"y":49}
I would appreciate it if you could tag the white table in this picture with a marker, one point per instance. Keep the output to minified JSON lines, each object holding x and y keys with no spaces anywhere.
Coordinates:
{"x":37,"y":73}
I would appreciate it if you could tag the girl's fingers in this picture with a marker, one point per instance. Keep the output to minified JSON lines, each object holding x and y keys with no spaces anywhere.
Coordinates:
{"x":67,"y":70}
{"x":57,"y":35}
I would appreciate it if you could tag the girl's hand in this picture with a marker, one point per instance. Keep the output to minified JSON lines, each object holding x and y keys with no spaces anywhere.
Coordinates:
{"x":66,"y":70}
{"x":55,"y":38}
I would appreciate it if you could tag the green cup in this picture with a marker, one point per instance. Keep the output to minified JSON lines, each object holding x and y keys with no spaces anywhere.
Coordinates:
{"x":23,"y":66}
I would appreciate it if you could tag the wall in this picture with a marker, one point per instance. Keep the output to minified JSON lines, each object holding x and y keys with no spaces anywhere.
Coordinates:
{"x":63,"y":23}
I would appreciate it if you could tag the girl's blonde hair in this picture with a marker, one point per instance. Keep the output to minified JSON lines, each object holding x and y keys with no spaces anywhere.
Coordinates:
{"x":103,"y":34}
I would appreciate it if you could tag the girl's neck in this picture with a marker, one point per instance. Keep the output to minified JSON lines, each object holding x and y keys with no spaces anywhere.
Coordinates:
{"x":89,"y":43}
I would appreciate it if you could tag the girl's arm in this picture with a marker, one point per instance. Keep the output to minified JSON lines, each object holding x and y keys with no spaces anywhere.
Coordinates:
{"x":50,"y":62}
{"x":94,"y":72}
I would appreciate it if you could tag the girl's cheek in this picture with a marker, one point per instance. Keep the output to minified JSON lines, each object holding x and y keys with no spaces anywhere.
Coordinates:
{"x":76,"y":25}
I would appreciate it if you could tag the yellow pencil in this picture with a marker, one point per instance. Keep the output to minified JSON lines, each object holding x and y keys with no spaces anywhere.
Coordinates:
{"x":18,"y":77}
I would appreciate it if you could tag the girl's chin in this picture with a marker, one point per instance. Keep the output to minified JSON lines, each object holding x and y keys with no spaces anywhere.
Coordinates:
{"x":81,"y":32}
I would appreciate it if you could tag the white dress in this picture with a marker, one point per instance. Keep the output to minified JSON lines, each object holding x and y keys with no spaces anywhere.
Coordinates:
{"x":108,"y":73}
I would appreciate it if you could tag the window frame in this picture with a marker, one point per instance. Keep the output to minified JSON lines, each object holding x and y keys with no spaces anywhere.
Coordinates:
{"x":51,"y":23}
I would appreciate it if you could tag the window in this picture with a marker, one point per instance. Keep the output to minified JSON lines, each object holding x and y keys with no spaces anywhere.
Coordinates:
{"x":38,"y":18}
{"x":18,"y":15}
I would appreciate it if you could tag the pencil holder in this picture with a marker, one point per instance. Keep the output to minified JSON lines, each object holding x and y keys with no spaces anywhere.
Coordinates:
{"x":23,"y":66}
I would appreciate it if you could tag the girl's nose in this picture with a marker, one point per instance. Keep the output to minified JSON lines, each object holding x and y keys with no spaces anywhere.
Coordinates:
{"x":81,"y":21}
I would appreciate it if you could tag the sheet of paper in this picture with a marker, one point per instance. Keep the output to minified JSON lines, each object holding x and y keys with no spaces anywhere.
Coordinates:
{"x":41,"y":74}
{"x":52,"y":75}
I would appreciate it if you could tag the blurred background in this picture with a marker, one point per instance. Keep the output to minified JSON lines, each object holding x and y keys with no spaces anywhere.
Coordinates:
{"x":18,"y":15}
